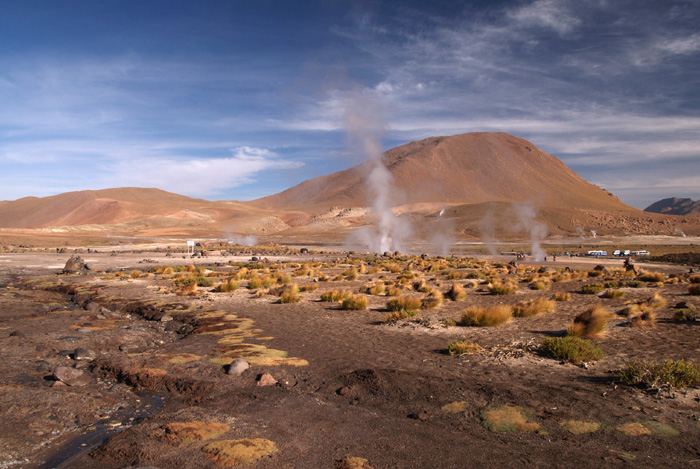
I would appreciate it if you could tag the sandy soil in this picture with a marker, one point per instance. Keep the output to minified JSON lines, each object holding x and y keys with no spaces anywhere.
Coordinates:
{"x":347,"y":384}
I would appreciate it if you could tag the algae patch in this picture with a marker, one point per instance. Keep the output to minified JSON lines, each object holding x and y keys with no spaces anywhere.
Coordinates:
{"x":509,"y":419}
{"x":238,"y":452}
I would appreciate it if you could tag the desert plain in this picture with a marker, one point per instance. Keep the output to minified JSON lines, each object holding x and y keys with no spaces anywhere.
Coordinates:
{"x":132,"y":361}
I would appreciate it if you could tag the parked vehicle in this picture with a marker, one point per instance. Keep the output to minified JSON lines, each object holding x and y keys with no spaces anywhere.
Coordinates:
{"x":597,"y":253}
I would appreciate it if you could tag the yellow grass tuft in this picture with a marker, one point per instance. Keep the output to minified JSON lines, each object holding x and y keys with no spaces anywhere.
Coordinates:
{"x":487,"y":316}
{"x":591,"y":323}
{"x":533,"y":307}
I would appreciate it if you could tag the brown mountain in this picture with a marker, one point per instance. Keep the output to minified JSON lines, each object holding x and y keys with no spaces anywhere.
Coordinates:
{"x":468,"y":184}
{"x":675,"y":206}
{"x":470,"y":168}
{"x":134,"y":211}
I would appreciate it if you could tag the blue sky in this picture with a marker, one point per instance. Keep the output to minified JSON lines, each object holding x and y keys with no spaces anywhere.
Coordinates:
{"x":234,"y":100}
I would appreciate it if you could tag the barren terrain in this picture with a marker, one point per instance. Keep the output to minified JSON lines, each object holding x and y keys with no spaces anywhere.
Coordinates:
{"x":345,"y":386}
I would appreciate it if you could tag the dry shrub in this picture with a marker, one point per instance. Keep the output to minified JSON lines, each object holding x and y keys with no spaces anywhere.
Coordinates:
{"x":404,"y":303}
{"x":540,"y":285}
{"x":694,"y":279}
{"x":456,"y":293}
{"x":256,"y":281}
{"x":309,"y":287}
{"x":533,"y":307}
{"x":432,"y":301}
{"x":571,"y":349}
{"x":187,"y":290}
{"x":591,"y":323}
{"x":288,"y":294}
{"x":229,"y":286}
{"x":563,"y":277}
{"x":647,"y":319}
{"x":686,"y":314}
{"x":394,"y":316}
{"x":456,"y":275}
{"x":377,"y":289}
{"x":613,"y":294}
{"x":694,"y":289}
{"x":498,"y":287}
{"x":655,"y":301}
{"x":335,"y":295}
{"x":351,"y":274}
{"x":646,"y":276}
{"x":393,"y":268}
{"x":561,"y":296}
{"x":487,"y":316}
{"x":472,"y":283}
{"x":592,"y":288}
{"x":260,"y":292}
{"x":630,"y":311}
{"x":394,"y":291}
{"x":677,"y":374}
{"x":354,"y":302}
{"x":463,"y":347}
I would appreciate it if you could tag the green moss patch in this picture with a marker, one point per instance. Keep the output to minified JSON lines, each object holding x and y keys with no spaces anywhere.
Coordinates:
{"x":230,"y":453}
{"x":455,"y":407}
{"x":580,"y":427}
{"x":184,"y":433}
{"x":509,"y":419}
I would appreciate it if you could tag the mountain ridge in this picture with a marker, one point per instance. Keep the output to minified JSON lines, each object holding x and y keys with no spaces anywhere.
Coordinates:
{"x":675,"y":206}
{"x":474,"y":179}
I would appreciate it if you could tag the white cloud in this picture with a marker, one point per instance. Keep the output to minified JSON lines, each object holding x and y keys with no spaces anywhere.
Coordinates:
{"x":197,"y":177}
{"x":681,"y":46}
{"x":546,"y":13}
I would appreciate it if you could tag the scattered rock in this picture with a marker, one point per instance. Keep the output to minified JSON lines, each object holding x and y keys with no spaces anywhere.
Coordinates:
{"x":92,"y":306}
{"x":166,"y":318}
{"x":71,"y":376}
{"x":422,"y":415}
{"x":238,"y":366}
{"x":266,"y":379}
{"x":76,"y":265}
{"x":83,"y":330}
{"x":84,"y":354}
{"x":128,"y":347}
{"x":18,"y":334}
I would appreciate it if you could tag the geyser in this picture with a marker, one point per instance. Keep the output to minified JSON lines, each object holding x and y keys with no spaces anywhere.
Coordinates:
{"x":365,"y":127}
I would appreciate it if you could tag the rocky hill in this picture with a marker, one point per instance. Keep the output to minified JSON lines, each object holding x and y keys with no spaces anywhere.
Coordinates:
{"x":675,"y":206}
{"x":471,"y":168}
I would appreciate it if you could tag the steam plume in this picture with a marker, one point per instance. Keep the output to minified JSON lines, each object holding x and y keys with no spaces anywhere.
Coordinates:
{"x":240,"y":239}
{"x":488,"y":232}
{"x":365,"y":127}
{"x":526,"y":221}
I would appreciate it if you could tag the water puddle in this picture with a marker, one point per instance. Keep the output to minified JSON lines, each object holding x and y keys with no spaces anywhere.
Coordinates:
{"x":66,"y":456}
